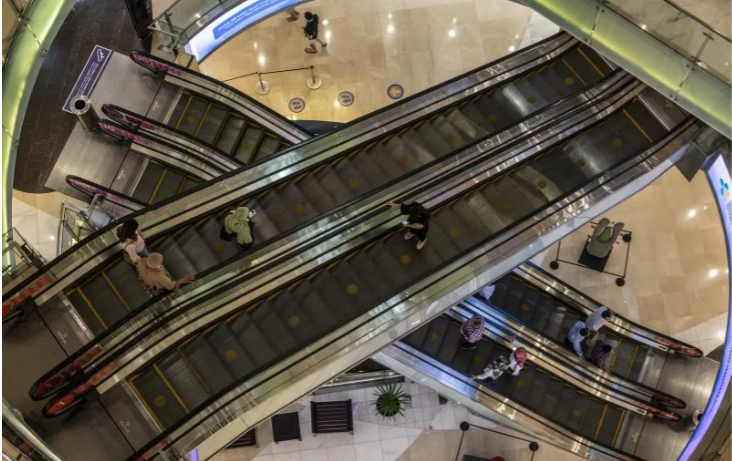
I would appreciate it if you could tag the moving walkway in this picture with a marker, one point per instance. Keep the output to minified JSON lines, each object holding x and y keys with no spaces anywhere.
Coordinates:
{"x":354,"y":172}
{"x":379,"y":267}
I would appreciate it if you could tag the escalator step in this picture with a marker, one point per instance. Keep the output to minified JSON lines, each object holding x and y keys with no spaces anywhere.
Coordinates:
{"x":375,"y":282}
{"x":413,"y":140}
{"x":221,"y":249}
{"x":473,"y":114}
{"x":472,"y":227}
{"x":183,"y":380}
{"x":581,"y":67}
{"x":528,"y":305}
{"x":315,"y":195}
{"x":169,"y":185}
{"x":530,"y":179}
{"x":229,"y":351}
{"x":158,"y":397}
{"x":435,"y":336}
{"x":441,"y":242}
{"x":450,"y":345}
{"x":636,"y":367}
{"x":174,"y":260}
{"x":124,"y":277}
{"x":190,"y":119}
{"x":249,"y":141}
{"x":148,"y":182}
{"x":86,"y":314}
{"x":500,"y":204}
{"x":203,"y":358}
{"x":553,"y":328}
{"x":572,"y":408}
{"x":104,"y":300}
{"x":609,"y":428}
{"x":331,"y":182}
{"x":480,"y":359}
{"x":329,"y":292}
{"x":270,"y":323}
{"x":360,"y":297}
{"x":463,"y":359}
{"x":353,"y":179}
{"x":268,"y":146}
{"x":623,"y":357}
{"x":253,"y":340}
{"x":211,"y":123}
{"x":452,"y":227}
{"x":647,"y":121}
{"x":417,"y":337}
{"x":276,"y":211}
{"x":541,"y":316}
{"x":522,"y":384}
{"x":498,"y":298}
{"x":179,"y":108}
{"x":449,"y":133}
{"x":549,"y":392}
{"x":391,"y":267}
{"x":560,"y":77}
{"x":297,"y":203}
{"x":364,"y":163}
{"x":434,"y":145}
{"x":196,"y":250}
{"x":230,"y":133}
{"x":523,"y":203}
{"x":592,"y":419}
{"x":401,"y":153}
{"x":596,"y":59}
{"x":294,"y":317}
{"x":498,"y":110}
{"x":485,"y":212}
{"x":468,"y":129}
{"x":322,"y":319}
{"x":386,"y":163}
{"x":410,"y":259}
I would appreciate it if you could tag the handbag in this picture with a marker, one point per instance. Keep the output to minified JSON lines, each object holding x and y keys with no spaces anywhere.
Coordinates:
{"x":225,"y":236}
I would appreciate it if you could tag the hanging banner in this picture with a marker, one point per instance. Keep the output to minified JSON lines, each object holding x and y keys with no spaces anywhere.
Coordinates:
{"x":89,"y":75}
{"x":93,"y":189}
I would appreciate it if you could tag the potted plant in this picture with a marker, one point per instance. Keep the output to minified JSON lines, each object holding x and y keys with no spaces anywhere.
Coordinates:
{"x":390,"y":400}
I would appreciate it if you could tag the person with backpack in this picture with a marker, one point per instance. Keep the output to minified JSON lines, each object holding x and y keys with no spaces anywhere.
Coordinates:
{"x":312,"y":25}
{"x":514,"y":363}
{"x":417,"y":222}
{"x":131,"y":241}
{"x":239,"y":224}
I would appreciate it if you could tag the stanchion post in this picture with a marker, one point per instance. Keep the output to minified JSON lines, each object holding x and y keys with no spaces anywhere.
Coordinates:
{"x":313,"y":82}
{"x":262,"y":86}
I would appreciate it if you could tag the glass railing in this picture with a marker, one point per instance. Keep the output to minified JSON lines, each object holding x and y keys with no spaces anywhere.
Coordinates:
{"x":22,"y":438}
{"x":20,"y":260}
{"x":75,"y":226}
{"x":680,"y":30}
{"x":185,"y":17}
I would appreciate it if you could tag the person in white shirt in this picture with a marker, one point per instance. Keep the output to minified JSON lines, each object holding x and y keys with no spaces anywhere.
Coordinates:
{"x":514,"y":363}
{"x":487,"y":292}
{"x":577,"y":334}
{"x":596,"y":321}
{"x":131,"y":241}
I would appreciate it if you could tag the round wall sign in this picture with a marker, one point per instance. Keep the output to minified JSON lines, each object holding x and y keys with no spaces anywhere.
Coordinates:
{"x":346,"y":98}
{"x":297,"y":105}
{"x":395,"y":91}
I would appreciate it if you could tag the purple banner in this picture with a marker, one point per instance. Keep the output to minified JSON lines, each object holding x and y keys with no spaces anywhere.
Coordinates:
{"x":89,"y":75}
{"x":153,"y":63}
{"x":120,"y":132}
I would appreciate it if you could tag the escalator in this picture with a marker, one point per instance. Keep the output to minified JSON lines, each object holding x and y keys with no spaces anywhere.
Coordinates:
{"x":290,"y":204}
{"x":263,"y":332}
{"x":158,"y":182}
{"x":597,"y":421}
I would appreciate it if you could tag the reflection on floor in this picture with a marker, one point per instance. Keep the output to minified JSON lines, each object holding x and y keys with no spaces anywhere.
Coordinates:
{"x":371,"y":45}
{"x":676,"y":281}
{"x":427,"y":431}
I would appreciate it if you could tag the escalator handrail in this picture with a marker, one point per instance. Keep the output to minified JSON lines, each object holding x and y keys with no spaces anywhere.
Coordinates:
{"x":603,"y":96}
{"x":670,"y":343}
{"x":70,"y":181}
{"x":108,"y":108}
{"x":653,"y":148}
{"x":548,"y":56}
{"x":595,"y":373}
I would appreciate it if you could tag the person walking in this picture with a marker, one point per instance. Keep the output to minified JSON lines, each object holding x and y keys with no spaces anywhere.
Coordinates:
{"x":577,"y":334}
{"x":472,"y":331}
{"x":154,"y":276}
{"x":417,"y":222}
{"x":131,"y":241}
{"x":596,"y":321}
{"x":514,"y":363}
{"x":599,"y":352}
{"x":294,"y":15}
{"x":311,"y":28}
{"x":240,"y":224}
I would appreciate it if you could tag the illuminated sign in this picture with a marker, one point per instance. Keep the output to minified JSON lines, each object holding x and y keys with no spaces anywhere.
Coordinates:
{"x":232,"y":22}
{"x":719,"y":179}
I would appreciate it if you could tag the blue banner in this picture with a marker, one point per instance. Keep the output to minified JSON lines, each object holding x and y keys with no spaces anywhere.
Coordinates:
{"x":89,"y":75}
{"x":232,"y":22}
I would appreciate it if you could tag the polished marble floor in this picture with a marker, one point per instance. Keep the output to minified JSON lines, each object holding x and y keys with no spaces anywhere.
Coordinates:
{"x":371,"y":45}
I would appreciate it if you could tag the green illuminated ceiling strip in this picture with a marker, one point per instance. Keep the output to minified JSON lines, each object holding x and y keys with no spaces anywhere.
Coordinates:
{"x":647,"y":58}
{"x":34,"y":36}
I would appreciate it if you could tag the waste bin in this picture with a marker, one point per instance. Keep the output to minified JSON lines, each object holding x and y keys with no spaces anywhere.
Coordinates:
{"x":82,"y":107}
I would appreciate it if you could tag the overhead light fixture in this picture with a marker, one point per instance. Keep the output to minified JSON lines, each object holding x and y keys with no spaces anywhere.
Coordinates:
{"x":451,"y":33}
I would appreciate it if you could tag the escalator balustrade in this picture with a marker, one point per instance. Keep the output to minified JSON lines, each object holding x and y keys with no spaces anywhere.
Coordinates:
{"x":320,"y":190}
{"x":264,"y":333}
{"x":533,"y":388}
{"x":229,"y":131}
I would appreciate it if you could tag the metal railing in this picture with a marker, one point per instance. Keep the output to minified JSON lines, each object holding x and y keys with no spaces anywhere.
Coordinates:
{"x":17,"y":9}
{"x":262,"y":87}
{"x":17,"y":432}
{"x":20,"y":260}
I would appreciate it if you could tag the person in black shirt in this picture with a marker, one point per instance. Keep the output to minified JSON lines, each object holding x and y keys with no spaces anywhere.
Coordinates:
{"x":417,"y":222}
{"x":311,"y":32}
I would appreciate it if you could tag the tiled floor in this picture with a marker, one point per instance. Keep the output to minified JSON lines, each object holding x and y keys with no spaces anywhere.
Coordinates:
{"x":371,"y":45}
{"x":677,"y":269}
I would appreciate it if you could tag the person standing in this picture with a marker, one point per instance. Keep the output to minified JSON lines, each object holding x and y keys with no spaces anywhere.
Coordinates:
{"x":293,"y":14}
{"x":472,"y":331}
{"x":240,"y":224}
{"x":417,"y":222}
{"x":154,"y":276}
{"x":596,"y":321}
{"x":131,"y":241}
{"x":599,"y":352}
{"x":487,"y":292}
{"x":311,"y":32}
{"x":576,"y":335}
{"x":514,"y":363}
